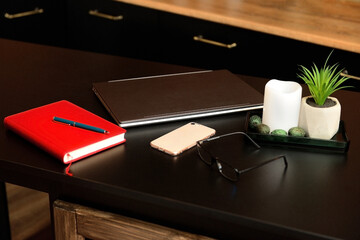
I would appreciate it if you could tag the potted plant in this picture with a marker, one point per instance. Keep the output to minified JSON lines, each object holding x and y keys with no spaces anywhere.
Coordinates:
{"x":320,"y":113}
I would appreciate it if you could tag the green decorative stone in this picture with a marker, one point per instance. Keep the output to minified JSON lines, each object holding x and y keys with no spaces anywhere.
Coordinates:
{"x":297,"y":132}
{"x":254,"y":121}
{"x":263,"y":128}
{"x":279,"y":132}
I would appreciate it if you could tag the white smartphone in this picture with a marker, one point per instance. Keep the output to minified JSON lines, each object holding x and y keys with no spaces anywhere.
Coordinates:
{"x":182,"y":138}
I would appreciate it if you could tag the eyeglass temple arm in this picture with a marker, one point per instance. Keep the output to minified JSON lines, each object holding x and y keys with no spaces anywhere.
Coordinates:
{"x":251,"y":140}
{"x":263,"y":163}
{"x":229,"y":134}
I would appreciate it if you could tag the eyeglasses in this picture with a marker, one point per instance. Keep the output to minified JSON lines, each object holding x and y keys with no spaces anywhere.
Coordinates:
{"x":226,"y":170}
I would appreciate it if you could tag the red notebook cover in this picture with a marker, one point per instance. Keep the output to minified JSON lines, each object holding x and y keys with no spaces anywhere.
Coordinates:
{"x":65,"y":142}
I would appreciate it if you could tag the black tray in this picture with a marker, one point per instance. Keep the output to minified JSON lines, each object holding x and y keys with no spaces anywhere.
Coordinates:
{"x":339,"y":143}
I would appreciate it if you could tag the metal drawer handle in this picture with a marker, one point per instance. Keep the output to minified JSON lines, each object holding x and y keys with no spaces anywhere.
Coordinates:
{"x":204,"y":40}
{"x":24,"y":14}
{"x":349,"y":76}
{"x":104,"y":15}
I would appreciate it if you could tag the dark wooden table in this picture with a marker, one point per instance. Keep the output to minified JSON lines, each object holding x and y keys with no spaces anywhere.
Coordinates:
{"x":316,"y":197}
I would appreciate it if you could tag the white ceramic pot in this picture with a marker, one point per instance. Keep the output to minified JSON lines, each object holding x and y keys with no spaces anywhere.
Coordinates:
{"x":318,"y":122}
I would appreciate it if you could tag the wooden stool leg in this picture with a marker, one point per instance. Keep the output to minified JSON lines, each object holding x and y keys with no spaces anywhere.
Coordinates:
{"x":65,"y":222}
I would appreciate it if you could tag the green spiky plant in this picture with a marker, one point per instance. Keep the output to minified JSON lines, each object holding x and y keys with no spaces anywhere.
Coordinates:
{"x":322,"y":82}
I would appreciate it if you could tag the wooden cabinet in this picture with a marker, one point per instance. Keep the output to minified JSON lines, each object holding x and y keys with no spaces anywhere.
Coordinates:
{"x":112,"y":27}
{"x":40,"y":21}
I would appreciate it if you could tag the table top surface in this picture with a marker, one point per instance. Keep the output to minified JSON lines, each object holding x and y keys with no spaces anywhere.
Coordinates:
{"x":316,"y":197}
{"x":332,"y":23}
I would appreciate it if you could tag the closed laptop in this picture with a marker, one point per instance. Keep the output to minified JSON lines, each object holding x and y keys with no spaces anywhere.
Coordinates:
{"x":170,"y":97}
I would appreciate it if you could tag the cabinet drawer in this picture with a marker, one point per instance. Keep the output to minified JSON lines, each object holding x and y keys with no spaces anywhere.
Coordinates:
{"x":111,"y":27}
{"x":242,"y":51}
{"x":204,"y":44}
{"x":41,"y":21}
{"x":198,"y":43}
{"x":279,"y":57}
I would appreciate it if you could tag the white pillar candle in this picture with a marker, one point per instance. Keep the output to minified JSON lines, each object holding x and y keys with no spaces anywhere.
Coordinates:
{"x":282,"y":101}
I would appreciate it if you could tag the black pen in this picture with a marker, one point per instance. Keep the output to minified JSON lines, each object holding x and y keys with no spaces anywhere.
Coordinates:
{"x":80,"y":125}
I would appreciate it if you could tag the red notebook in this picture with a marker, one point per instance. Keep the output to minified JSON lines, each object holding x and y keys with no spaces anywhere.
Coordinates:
{"x":65,"y":142}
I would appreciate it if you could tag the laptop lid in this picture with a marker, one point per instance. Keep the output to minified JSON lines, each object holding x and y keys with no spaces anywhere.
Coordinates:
{"x":171,"y":97}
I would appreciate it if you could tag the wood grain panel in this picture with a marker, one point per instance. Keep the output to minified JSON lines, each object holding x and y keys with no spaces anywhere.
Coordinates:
{"x":332,"y":23}
{"x":74,"y":221}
